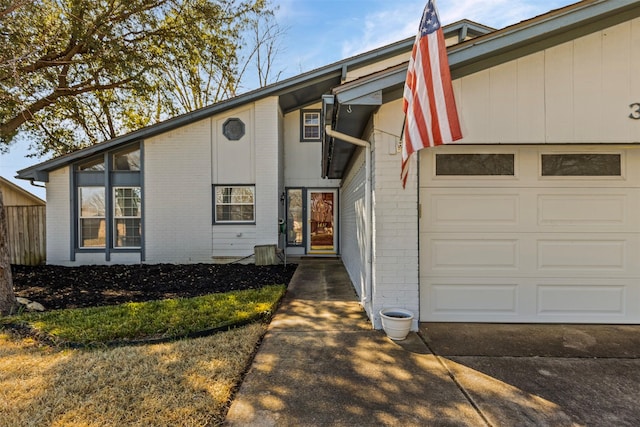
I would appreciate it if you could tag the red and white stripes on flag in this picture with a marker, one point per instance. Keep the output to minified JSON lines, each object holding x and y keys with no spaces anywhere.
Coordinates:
{"x":431,"y":117}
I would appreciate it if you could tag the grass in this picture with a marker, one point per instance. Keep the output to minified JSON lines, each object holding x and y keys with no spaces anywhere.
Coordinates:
{"x":182,"y":383}
{"x":186,"y":382}
{"x":155,"y":319}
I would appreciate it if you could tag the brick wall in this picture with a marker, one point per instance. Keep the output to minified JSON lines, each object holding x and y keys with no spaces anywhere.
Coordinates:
{"x":395,"y":221}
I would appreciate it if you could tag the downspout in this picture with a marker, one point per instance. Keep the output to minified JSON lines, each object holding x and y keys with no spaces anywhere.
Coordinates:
{"x":365,"y":300}
{"x":33,"y":182}
{"x":344,"y":137}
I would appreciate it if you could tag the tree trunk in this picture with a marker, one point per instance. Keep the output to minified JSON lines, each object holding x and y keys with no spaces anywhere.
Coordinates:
{"x":7,"y":297}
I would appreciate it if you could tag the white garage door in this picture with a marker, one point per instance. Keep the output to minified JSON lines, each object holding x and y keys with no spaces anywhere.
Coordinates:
{"x":530,"y":234}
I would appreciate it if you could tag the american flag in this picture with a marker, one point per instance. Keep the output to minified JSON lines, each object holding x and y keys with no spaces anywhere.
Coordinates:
{"x":429,"y":105}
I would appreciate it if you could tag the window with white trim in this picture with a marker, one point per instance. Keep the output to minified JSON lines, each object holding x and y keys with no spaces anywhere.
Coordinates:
{"x":310,"y":125}
{"x":127,"y":217}
{"x":234,"y":204}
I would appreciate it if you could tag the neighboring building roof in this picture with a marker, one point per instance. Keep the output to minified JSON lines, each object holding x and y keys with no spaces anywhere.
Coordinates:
{"x":5,"y":185}
{"x":488,"y":49}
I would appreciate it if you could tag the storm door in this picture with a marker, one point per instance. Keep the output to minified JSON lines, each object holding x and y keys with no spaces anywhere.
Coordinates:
{"x":322,"y":230}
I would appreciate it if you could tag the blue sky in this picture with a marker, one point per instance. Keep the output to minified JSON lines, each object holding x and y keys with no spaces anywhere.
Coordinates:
{"x":320,"y":32}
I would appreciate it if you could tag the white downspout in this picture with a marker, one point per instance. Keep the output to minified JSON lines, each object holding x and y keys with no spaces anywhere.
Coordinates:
{"x":344,"y":137}
{"x":367,"y":301}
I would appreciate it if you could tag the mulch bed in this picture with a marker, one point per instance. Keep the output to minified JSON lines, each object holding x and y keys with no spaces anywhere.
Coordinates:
{"x":57,"y":287}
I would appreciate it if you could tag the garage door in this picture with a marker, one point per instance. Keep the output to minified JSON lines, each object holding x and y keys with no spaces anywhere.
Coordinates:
{"x":530,"y":234}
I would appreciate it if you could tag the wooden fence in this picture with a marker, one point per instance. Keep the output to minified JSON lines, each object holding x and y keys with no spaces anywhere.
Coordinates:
{"x":27,"y":234}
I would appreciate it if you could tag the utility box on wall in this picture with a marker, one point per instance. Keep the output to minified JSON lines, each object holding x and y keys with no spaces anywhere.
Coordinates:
{"x":265,"y":254}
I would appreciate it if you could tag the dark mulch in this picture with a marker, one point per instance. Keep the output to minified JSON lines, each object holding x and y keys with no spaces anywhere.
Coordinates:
{"x":57,"y":287}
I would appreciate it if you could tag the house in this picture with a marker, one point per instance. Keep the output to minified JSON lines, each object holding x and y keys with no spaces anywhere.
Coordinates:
{"x":14,"y":195}
{"x":534,"y":216}
{"x":25,"y":214}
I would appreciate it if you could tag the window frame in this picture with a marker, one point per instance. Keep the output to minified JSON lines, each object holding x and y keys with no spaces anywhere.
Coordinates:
{"x":109,"y":178}
{"x":115,"y":217}
{"x":290,"y":223}
{"x":122,"y":152}
{"x":439,"y":174}
{"x":303,"y":125}
{"x":619,"y":154}
{"x":98,"y":217}
{"x":217,"y":221}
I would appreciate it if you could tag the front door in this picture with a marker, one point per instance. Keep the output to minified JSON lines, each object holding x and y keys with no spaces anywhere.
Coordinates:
{"x":321,"y":212}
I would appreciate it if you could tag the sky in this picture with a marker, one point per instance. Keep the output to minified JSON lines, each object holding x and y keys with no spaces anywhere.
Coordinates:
{"x":320,"y":32}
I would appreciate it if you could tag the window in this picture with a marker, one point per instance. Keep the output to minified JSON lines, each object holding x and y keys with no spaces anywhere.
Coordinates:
{"x":294,"y":216}
{"x":234,"y":203}
{"x":581,"y":164}
{"x":92,"y":226}
{"x":310,"y":125}
{"x":107,"y":199}
{"x":475,"y":164}
{"x":128,"y":160}
{"x":96,"y":165}
{"x":126,"y":217}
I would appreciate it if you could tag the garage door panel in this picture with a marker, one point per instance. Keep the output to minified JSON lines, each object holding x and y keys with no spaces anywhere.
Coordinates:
{"x":581,"y":299}
{"x":579,"y":255}
{"x":518,"y":299}
{"x":465,"y":208}
{"x":473,"y":254}
{"x":588,"y":254}
{"x":459,"y":297}
{"x":530,"y":254}
{"x":588,"y":210}
{"x":529,"y":210}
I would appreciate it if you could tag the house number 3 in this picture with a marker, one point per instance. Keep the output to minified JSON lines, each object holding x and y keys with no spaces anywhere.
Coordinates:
{"x":635,"y":111}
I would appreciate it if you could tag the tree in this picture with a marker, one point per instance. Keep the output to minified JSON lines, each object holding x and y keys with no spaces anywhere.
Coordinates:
{"x":7,"y":297}
{"x":77,"y":72}
{"x":265,"y":35}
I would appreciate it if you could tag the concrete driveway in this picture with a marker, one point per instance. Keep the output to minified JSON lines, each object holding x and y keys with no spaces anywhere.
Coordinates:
{"x":519,"y":375}
{"x":321,"y":364}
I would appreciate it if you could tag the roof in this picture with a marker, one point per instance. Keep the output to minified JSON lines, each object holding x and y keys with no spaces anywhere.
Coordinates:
{"x":295,"y":92}
{"x":485,"y":51}
{"x":488,"y":48}
{"x":16,"y":188}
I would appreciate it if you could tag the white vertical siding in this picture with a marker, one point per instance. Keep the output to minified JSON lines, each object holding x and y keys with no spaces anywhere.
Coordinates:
{"x":302,"y":160}
{"x":267,"y":170}
{"x":576,"y":92}
{"x":354,"y":231}
{"x":177,"y":195}
{"x":281,"y":212}
{"x":59,"y":218}
{"x":233,"y":162}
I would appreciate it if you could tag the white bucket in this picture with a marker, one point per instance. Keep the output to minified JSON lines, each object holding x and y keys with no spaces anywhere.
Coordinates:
{"x":396,"y":322}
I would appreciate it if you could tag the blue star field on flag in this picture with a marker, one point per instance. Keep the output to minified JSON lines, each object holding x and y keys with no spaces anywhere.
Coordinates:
{"x":430,"y":21}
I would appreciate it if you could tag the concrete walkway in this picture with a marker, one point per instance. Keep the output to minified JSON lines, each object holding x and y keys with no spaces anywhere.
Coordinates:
{"x":321,"y":364}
